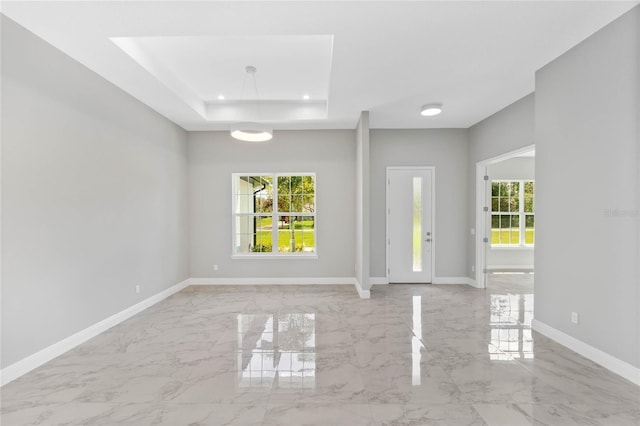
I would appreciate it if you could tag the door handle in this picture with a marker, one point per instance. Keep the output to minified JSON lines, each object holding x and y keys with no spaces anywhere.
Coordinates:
{"x":428,"y":240}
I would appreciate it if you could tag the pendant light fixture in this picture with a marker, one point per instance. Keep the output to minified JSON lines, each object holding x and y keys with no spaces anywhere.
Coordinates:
{"x":252,"y":132}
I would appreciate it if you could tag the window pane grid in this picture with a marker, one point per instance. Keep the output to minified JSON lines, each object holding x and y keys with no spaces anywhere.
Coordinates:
{"x":512,"y":213}
{"x":284,"y":226}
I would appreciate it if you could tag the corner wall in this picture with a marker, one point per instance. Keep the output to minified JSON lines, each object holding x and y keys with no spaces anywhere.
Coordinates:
{"x":94,"y":198}
{"x":507,"y":130}
{"x":587,"y":163}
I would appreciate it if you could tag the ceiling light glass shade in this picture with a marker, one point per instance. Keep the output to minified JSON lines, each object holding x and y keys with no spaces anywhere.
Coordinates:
{"x":251,"y":132}
{"x":431,"y":109}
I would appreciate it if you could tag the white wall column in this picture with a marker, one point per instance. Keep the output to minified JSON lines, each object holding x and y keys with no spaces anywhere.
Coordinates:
{"x":362,"y":206}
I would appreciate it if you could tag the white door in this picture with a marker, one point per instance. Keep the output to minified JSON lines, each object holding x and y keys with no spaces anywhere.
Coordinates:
{"x":409,"y":224}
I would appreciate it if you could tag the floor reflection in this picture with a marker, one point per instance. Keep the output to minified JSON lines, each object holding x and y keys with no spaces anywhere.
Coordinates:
{"x":355,"y":362}
{"x":416,"y":343}
{"x":276,"y":350}
{"x":510,"y":322}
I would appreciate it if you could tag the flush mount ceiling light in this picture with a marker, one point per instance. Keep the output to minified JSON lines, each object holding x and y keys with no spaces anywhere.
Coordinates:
{"x":252,"y":132}
{"x":431,"y":109}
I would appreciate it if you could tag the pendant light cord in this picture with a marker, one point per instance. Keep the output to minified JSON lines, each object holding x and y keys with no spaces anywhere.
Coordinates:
{"x":255,"y":87}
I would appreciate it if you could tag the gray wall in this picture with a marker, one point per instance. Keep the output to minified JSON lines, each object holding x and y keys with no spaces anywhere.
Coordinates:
{"x":587,"y":119}
{"x":513,"y":168}
{"x":93,"y":197}
{"x":507,"y":130}
{"x":447,"y":150}
{"x":214,"y":156}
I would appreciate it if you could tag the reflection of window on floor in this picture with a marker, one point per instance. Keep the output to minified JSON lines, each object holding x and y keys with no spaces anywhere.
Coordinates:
{"x":510,"y":321}
{"x":276,"y":349}
{"x":416,"y":344}
{"x":297,"y":370}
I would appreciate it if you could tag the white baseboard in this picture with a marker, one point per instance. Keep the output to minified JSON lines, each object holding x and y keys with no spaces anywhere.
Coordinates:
{"x":473,"y":283}
{"x":509,"y":267}
{"x":364,"y":294}
{"x":609,"y":362}
{"x":273,"y":281}
{"x":439,"y":280}
{"x":453,"y":280}
{"x":39,"y":358}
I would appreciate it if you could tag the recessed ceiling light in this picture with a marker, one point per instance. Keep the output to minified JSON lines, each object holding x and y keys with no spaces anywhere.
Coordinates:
{"x":221,"y":97}
{"x":305,"y":97}
{"x":431,"y":109}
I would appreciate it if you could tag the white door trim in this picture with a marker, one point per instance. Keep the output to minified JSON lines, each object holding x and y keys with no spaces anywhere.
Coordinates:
{"x":433,"y":216}
{"x":482,"y":201}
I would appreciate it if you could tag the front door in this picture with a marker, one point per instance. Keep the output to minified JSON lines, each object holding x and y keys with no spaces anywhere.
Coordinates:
{"x":409,"y":224}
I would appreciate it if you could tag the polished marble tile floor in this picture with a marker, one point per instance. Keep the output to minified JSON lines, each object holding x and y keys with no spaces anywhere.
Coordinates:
{"x":302,"y":355}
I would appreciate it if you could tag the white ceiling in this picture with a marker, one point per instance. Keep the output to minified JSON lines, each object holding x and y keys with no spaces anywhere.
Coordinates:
{"x":385,"y":57}
{"x":289,"y":66}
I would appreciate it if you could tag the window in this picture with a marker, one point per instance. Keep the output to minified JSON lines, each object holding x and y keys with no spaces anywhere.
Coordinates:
{"x":512,"y":213}
{"x":264,"y":227}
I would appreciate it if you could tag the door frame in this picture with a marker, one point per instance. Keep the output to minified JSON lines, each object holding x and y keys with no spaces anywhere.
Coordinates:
{"x":482,"y":220}
{"x":433,"y":216}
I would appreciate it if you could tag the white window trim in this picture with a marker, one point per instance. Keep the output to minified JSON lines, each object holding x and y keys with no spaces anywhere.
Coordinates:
{"x":522,"y":245}
{"x":275,"y":213}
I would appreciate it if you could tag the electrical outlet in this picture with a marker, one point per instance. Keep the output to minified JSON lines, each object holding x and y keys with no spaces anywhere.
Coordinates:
{"x":215,"y":268}
{"x":473,"y":268}
{"x":137,"y":289}
{"x":473,"y":231}
{"x":574,"y":317}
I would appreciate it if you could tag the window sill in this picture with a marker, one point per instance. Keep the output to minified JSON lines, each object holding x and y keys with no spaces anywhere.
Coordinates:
{"x":272,"y":256}
{"x":496,"y":247}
